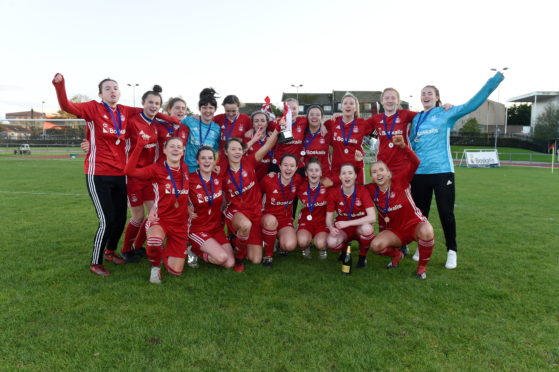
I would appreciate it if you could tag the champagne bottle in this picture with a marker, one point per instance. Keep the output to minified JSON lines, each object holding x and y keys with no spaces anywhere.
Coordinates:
{"x":346,"y":263}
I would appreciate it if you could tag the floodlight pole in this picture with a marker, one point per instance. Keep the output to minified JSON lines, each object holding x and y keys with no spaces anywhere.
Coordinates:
{"x":133,"y":93}
{"x":297,"y":86}
{"x":43,"y":112}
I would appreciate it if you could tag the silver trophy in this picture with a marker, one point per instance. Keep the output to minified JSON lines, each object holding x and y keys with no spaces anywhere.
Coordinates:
{"x":286,"y":135}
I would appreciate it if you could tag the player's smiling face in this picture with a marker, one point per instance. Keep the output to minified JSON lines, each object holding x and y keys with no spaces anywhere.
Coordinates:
{"x":313,"y":172}
{"x":206,"y":160}
{"x":178,"y":110}
{"x":234,"y":152}
{"x":207,"y":112}
{"x":380,"y":174}
{"x":314,"y":117}
{"x":428,"y":98}
{"x":348,"y":176}
{"x":231,"y":111}
{"x":110,"y":92}
{"x":288,"y":167}
{"x":349,"y":108}
{"x":174,"y":150}
{"x":293,"y":107}
{"x":390,"y":101}
{"x":152,"y":104}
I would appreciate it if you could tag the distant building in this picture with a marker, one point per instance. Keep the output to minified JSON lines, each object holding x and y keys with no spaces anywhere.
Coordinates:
{"x":490,"y":116}
{"x":25,"y":115}
{"x":539,"y":101}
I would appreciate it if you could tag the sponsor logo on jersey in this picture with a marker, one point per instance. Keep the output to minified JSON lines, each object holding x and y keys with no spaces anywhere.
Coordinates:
{"x":427,"y":131}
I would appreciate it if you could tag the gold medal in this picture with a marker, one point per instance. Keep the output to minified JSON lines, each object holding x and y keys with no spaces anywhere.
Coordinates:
{"x":346,"y":151}
{"x":309,"y":218}
{"x":387,"y":219}
{"x":118,"y":141}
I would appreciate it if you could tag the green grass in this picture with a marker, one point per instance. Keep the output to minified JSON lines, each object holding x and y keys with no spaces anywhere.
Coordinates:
{"x":497,"y":311}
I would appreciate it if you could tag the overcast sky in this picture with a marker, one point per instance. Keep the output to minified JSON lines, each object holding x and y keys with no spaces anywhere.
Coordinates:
{"x":259,"y":48}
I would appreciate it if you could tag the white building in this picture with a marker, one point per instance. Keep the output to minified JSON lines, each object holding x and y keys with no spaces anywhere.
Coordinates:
{"x":539,"y":101}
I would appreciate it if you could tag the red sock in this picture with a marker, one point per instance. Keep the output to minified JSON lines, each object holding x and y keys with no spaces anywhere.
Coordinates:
{"x":364,"y":243}
{"x":241,"y":247}
{"x":338,"y":248}
{"x":425,"y":252}
{"x":141,"y":237}
{"x":201,"y":254}
{"x":154,"y":250}
{"x":269,"y":237}
{"x":130,"y":234}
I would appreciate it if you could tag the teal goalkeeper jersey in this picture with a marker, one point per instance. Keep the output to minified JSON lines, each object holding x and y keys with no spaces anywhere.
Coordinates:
{"x":201,"y":134}
{"x":430,"y":131}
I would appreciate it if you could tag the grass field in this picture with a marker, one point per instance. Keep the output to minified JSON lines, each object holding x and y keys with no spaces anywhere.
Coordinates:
{"x":497,"y":311}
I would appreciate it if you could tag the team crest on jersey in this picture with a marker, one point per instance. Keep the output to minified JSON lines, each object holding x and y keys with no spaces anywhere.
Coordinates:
{"x":299,"y":129}
{"x":245,"y":174}
{"x":122,"y":117}
{"x":323,"y":191}
{"x":105,"y":117}
{"x":216,"y":182}
{"x":168,"y":185}
{"x":241,"y":127}
{"x":322,"y":141}
{"x":355,"y":130}
{"x":358,"y":202}
{"x":134,"y":198}
{"x":273,"y":200}
{"x":392,"y":195}
{"x":397,"y":120}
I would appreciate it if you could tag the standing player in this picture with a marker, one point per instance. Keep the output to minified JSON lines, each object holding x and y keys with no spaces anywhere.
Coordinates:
{"x":232,"y":123}
{"x":206,"y":234}
{"x":312,"y":217}
{"x":244,"y":199}
{"x":140,"y":192}
{"x":175,"y":107}
{"x":168,"y":217}
{"x":400,"y":221}
{"x":355,"y":214}
{"x":430,"y":139}
{"x":104,"y":164}
{"x":316,"y":143}
{"x":260,"y":121}
{"x":348,"y":132}
{"x":279,"y":190}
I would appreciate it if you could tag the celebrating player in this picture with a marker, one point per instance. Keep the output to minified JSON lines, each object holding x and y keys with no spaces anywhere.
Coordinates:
{"x":175,"y":107}
{"x":168,"y":217}
{"x":243,"y":211}
{"x":206,"y":225}
{"x":430,"y":139}
{"x":316,"y":143}
{"x":232,"y":123}
{"x":348,"y":132}
{"x":104,"y":164}
{"x":400,"y":221}
{"x":260,"y":121}
{"x":279,"y":190}
{"x":355,"y":214}
{"x":312,"y":217}
{"x":140,"y":192}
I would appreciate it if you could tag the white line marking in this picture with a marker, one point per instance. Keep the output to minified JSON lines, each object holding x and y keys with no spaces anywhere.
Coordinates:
{"x":41,"y":193}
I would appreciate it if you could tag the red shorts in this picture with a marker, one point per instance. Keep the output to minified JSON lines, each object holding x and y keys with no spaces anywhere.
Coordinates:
{"x":314,"y":227}
{"x":351,"y":233}
{"x":254,"y":237}
{"x":284,"y":221}
{"x":176,"y":238}
{"x":198,"y":239}
{"x":139,"y":192}
{"x":406,"y":235}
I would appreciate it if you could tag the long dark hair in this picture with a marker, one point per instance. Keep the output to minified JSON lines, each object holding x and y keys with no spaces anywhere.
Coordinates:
{"x":207,"y":96}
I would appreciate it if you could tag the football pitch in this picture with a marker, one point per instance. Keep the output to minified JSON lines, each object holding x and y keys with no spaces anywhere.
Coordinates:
{"x":499,"y":310}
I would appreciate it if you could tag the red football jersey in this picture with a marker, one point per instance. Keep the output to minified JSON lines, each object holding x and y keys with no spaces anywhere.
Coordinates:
{"x":318,"y":146}
{"x":397,"y":203}
{"x":208,"y":217}
{"x":341,"y":204}
{"x":390,"y":155}
{"x":166,"y":131}
{"x":263,"y":165}
{"x":107,"y":154}
{"x":165,"y":207}
{"x":241,"y":187}
{"x":294,"y":146}
{"x":318,"y":196}
{"x":236,"y":128}
{"x":139,"y":125}
{"x":346,"y":140}
{"x":279,"y":197}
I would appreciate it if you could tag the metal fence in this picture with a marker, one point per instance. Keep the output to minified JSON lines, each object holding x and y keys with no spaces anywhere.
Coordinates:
{"x":42,"y":132}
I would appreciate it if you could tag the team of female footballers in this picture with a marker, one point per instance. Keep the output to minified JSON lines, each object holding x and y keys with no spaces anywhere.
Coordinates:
{"x":187,"y":177}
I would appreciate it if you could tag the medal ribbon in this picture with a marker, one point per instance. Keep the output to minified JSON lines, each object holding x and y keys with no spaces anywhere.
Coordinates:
{"x":203,"y":182}
{"x":342,"y":127}
{"x":176,"y":190}
{"x":421,"y":119}
{"x":307,"y":142}
{"x":116,"y":124}
{"x":310,"y":204}
{"x":207,"y":132}
{"x":283,"y":191}
{"x":239,"y":189}
{"x":389,"y":134}
{"x":352,"y":201}
{"x":270,"y":153}
{"x":385,"y":209}
{"x":228,"y":132}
